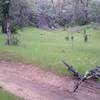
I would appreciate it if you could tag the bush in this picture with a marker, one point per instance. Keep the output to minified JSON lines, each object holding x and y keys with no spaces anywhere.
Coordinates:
{"x":14,"y":28}
{"x":15,"y":40}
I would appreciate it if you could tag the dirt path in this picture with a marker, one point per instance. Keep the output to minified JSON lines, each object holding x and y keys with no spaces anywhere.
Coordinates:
{"x":35,"y":84}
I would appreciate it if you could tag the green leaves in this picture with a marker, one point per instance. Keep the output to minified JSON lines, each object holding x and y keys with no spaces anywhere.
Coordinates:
{"x":1,"y":9}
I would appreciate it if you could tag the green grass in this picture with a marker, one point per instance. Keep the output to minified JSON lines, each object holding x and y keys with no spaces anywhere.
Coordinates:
{"x":48,"y":48}
{"x":4,"y":95}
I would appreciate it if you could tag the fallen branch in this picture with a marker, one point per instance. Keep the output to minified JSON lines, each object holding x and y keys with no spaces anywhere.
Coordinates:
{"x":94,"y":74}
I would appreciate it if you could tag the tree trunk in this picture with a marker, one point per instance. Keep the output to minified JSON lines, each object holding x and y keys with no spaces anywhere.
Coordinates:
{"x":3,"y":26}
{"x":9,"y":34}
{"x":6,"y":23}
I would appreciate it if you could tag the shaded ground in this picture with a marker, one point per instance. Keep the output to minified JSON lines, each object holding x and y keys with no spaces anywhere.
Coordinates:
{"x":35,"y":84}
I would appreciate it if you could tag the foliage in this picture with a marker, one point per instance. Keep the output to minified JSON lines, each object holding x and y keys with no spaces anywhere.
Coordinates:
{"x":1,"y":10}
{"x":15,"y":40}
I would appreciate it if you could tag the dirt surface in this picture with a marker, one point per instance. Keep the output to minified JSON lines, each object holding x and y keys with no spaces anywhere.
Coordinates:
{"x":33,"y":83}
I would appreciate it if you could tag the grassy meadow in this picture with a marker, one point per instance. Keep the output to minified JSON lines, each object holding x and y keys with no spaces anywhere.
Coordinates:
{"x":48,"y":48}
{"x":4,"y":95}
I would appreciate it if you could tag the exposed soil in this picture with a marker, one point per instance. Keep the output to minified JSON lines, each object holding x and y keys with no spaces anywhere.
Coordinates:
{"x":32,"y":83}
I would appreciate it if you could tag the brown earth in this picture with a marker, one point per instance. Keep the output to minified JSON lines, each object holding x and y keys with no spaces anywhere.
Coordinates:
{"x":32,"y":83}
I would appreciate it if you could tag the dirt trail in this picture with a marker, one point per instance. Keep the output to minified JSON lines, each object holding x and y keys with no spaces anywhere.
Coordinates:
{"x":35,"y":84}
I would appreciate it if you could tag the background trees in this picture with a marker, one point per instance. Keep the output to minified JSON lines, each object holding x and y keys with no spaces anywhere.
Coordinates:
{"x":52,"y":13}
{"x":78,"y":12}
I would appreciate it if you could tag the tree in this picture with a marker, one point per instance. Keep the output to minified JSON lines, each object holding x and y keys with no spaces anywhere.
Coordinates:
{"x":1,"y":10}
{"x":18,"y":13}
{"x":6,"y":21}
{"x":85,"y":4}
{"x":1,"y":13}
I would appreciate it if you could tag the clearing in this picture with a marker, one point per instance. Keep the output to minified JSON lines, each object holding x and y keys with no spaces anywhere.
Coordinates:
{"x":49,"y":47}
{"x":33,"y":83}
